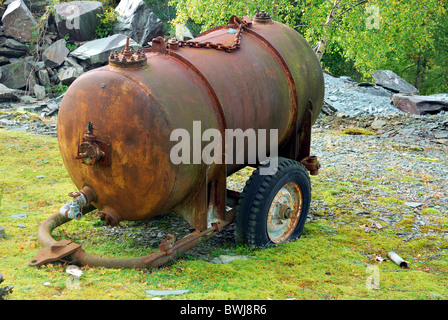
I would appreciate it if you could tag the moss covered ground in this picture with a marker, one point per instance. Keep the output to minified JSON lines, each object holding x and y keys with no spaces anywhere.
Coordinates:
{"x":334,"y":259}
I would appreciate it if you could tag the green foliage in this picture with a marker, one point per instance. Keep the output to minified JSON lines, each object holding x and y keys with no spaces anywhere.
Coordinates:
{"x":211,"y":13}
{"x":358,"y":131}
{"x":2,"y":190}
{"x":109,"y":3}
{"x":58,"y":89}
{"x":70,"y":46}
{"x":105,"y":22}
{"x":408,"y":37}
{"x":39,"y":30}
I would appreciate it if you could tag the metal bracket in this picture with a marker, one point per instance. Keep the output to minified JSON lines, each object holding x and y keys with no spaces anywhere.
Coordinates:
{"x":55,"y":252}
{"x":312,"y":164}
{"x":168,"y":243}
{"x":158,"y":45}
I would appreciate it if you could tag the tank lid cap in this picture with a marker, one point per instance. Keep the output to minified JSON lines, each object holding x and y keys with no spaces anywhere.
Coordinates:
{"x":128,"y":58}
{"x":262,"y":16}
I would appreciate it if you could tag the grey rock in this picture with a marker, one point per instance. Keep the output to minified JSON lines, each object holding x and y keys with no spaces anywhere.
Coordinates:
{"x":378,"y":124}
{"x":413,"y":204}
{"x":39,"y":66}
{"x":3,"y":60}
{"x":19,"y":216}
{"x":441,"y":134}
{"x":7,"y":94}
{"x":407,"y":132}
{"x":342,"y":114}
{"x":2,"y":232}
{"x":228,"y":258}
{"x":39,"y":92}
{"x":16,"y":45}
{"x":43,"y":77}
{"x":4,"y":291}
{"x":27,"y":99}
{"x":10,"y":52}
{"x":67,"y":76}
{"x":96,"y":52}
{"x":328,"y":109}
{"x":182,"y":33}
{"x":17,"y":75}
{"x":165,"y":292}
{"x":136,"y":20}
{"x":55,"y":55}
{"x":18,"y":21}
{"x":390,"y":80}
{"x":36,"y":6}
{"x":78,"y":19}
{"x":353,"y":100}
{"x":71,"y":62}
{"x":421,"y":104}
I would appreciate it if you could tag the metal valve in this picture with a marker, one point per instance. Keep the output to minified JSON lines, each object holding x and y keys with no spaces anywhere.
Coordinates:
{"x":91,"y":150}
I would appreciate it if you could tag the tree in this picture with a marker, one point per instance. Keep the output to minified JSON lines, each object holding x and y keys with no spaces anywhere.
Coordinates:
{"x":367,"y":35}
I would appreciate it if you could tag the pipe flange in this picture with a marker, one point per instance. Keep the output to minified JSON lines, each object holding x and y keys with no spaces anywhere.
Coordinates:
{"x":110,"y":216}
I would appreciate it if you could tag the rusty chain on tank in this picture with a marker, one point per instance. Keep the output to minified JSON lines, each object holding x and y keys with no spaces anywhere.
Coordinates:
{"x":219,"y":46}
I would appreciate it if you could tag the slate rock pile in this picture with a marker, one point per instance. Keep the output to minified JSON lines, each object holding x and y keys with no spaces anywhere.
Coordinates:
{"x":431,"y":128}
{"x":388,"y":95}
{"x":44,"y":47}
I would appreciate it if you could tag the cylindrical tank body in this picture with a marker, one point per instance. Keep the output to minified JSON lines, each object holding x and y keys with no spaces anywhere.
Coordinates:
{"x":265,"y":84}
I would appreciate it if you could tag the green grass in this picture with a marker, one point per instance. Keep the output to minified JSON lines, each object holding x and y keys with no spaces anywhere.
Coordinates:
{"x":427,"y":159}
{"x":355,"y":131}
{"x":330,"y":261}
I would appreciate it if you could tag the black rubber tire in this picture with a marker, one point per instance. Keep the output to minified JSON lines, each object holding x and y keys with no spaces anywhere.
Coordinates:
{"x":253,"y":206}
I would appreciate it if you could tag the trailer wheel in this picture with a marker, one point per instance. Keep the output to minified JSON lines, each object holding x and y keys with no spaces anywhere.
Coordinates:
{"x":273,"y":208}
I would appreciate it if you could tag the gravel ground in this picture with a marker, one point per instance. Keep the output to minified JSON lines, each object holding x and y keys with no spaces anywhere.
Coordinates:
{"x":389,"y":177}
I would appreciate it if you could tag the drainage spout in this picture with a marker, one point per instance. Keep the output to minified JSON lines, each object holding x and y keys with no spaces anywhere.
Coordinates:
{"x":72,"y":209}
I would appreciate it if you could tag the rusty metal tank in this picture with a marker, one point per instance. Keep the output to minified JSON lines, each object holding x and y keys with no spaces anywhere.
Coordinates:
{"x":257,"y":74}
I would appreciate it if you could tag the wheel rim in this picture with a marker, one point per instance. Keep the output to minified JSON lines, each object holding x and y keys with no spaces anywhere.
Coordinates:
{"x":284,"y":212}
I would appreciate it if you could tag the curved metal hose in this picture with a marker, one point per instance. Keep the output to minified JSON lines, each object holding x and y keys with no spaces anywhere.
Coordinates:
{"x":148,"y":261}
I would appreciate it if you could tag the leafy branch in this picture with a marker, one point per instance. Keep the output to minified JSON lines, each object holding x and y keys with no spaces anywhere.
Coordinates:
{"x":105,"y":23}
{"x":337,"y":11}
